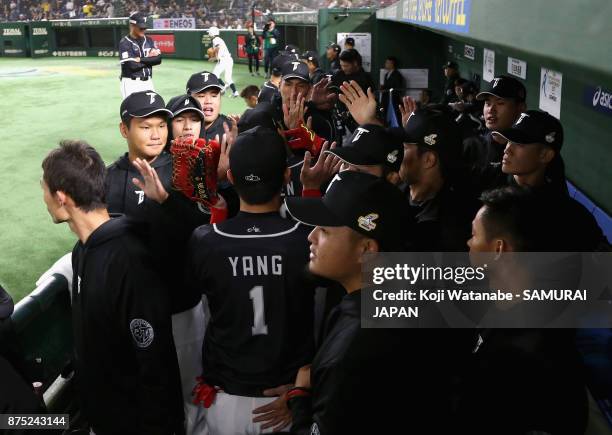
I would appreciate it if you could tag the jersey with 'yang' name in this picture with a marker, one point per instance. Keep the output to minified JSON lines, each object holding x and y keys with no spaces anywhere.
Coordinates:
{"x":252,"y":268}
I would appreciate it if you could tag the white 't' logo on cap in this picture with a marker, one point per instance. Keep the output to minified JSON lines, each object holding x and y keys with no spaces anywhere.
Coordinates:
{"x":523,"y":116}
{"x":358,"y":133}
{"x":205,"y":76}
{"x":495,"y":82}
{"x":295,"y":65}
{"x":152,"y":95}
{"x":336,"y":178}
{"x":186,"y":102}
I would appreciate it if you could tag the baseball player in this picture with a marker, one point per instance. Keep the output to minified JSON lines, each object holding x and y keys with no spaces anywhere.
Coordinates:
{"x":126,"y":365}
{"x":225,"y":62}
{"x":251,"y":268}
{"x":137,"y":55}
{"x":357,"y":215}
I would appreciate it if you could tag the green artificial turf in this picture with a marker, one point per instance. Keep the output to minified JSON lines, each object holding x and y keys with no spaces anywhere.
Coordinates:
{"x":43,"y":101}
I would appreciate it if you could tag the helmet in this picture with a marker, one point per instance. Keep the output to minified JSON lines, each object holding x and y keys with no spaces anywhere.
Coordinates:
{"x":213,"y":31}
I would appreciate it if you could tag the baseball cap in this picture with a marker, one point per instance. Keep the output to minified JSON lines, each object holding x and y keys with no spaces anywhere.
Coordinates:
{"x":201,"y":81}
{"x":295,"y":70}
{"x":363,"y":202}
{"x":138,"y":19}
{"x":505,"y":87}
{"x":335,"y":47}
{"x":349,"y":41}
{"x":309,"y":55}
{"x":370,"y":145}
{"x":432,"y":130}
{"x":450,"y":64}
{"x":258,"y":158}
{"x":279,"y":61}
{"x":143,"y":104}
{"x":535,"y":126}
{"x":183,"y":103}
{"x":262,"y":114}
{"x":213,"y":31}
{"x":290,"y":48}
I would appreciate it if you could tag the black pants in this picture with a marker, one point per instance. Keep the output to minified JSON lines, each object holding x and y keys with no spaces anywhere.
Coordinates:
{"x":269,"y":55}
{"x":254,"y":57}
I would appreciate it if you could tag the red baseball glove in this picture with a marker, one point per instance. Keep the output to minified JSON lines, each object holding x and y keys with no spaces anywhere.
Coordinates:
{"x":194,"y":169}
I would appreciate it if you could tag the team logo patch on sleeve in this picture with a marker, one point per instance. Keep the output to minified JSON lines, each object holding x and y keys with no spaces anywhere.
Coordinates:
{"x":142,"y":332}
{"x":124,"y":55}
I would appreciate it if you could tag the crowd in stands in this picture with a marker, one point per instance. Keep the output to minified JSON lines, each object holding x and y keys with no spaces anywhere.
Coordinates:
{"x":228,"y":14}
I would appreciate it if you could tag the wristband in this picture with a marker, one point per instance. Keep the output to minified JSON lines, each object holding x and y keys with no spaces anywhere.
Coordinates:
{"x":298,"y":392}
{"x":311,"y":193}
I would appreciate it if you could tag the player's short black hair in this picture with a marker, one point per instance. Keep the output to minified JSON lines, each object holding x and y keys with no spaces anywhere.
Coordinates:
{"x":350,"y":55}
{"x":513,"y":212}
{"x":249,"y":91}
{"x":76,"y":169}
{"x":394,"y":60}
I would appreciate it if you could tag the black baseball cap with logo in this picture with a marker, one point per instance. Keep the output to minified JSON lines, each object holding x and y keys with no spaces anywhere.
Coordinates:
{"x":309,"y":55}
{"x":350,"y":41}
{"x":335,"y":47}
{"x":201,"y":81}
{"x":142,"y":105}
{"x":184,"y":103}
{"x":258,"y":159}
{"x":295,"y":70}
{"x":290,"y":48}
{"x":535,"y":126}
{"x":435,"y":131}
{"x":450,"y":64}
{"x":372,"y":145}
{"x":505,"y":87}
{"x":138,"y":19}
{"x":363,"y":202}
{"x":279,"y":61}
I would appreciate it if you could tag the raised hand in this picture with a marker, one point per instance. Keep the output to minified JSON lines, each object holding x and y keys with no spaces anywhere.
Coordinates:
{"x":224,"y":156}
{"x":293,"y":112}
{"x":407,"y":108}
{"x":361,"y":105}
{"x":151,"y":186}
{"x":321,"y":96}
{"x":313,"y":177}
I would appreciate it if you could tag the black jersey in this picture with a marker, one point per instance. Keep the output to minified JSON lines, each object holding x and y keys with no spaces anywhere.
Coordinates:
{"x":216,"y":128}
{"x":252,"y":268}
{"x":131,"y":49}
{"x":294,"y":187}
{"x":127,"y":371}
{"x":267,"y":92}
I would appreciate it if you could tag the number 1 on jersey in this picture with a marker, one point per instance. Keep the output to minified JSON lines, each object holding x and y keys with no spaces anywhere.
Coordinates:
{"x":259,"y":320}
